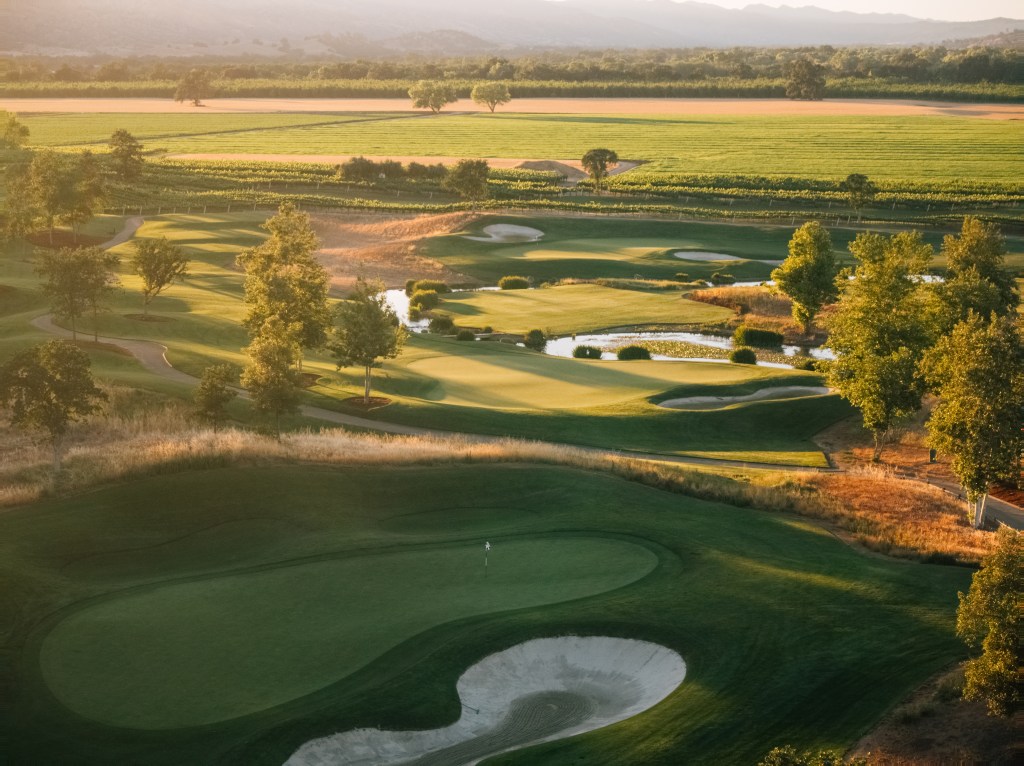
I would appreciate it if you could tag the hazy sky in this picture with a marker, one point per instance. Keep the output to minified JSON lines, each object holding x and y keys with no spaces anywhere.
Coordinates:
{"x":947,"y":10}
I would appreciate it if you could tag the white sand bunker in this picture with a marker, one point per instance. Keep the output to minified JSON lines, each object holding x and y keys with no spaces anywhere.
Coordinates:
{"x":504,"y":232}
{"x":700,"y":255}
{"x":537,"y":691}
{"x":715,"y":402}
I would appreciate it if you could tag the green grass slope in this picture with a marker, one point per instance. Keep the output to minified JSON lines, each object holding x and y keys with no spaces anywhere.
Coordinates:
{"x":228,"y":615}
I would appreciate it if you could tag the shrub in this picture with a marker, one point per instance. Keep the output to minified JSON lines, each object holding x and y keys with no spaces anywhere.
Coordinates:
{"x":743,"y":356}
{"x":487,"y":330}
{"x":751,"y":336}
{"x":536,"y":340}
{"x":410,"y":286}
{"x":431,"y":284}
{"x":514,"y":283}
{"x":805,"y":363}
{"x":629,"y":353}
{"x":415,"y":314}
{"x":586,"y":352}
{"x":721,"y":278}
{"x":465,"y":335}
{"x":425,"y":299}
{"x":441,"y":325}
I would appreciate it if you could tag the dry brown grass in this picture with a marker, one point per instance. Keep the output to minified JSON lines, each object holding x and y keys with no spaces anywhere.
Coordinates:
{"x":763,"y":308}
{"x":384,"y":247}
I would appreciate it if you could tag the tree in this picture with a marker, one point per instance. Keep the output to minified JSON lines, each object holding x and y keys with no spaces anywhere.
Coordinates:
{"x":19,"y":209}
{"x":806,"y":80}
{"x":214,"y":393}
{"x":158,"y":263}
{"x":468,"y":179}
{"x":283,"y":279}
{"x":491,"y":94}
{"x":13,"y":135}
{"x":194,"y":87}
{"x":979,"y":255}
{"x":368,"y":330}
{"x":808,"y":275}
{"x":881,"y":329}
{"x":596,"y":163}
{"x":51,"y":185}
{"x":990,"y":616}
{"x":433,"y":95}
{"x":859,"y":191}
{"x":126,"y":155}
{"x":49,"y":387}
{"x":269,"y":376}
{"x":978,"y":372}
{"x":65,"y":273}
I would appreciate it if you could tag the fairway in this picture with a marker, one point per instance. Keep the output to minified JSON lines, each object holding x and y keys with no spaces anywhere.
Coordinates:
{"x":576,"y":308}
{"x":234,"y":616}
{"x":909,"y":148}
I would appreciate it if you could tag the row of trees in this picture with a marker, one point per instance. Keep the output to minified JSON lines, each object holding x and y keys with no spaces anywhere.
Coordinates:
{"x":897,"y":337}
{"x":935,"y":63}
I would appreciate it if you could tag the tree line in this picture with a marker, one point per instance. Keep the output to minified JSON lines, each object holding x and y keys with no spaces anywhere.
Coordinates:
{"x":914,"y":64}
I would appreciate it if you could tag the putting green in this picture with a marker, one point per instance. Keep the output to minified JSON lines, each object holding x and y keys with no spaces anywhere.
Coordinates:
{"x":577,"y":308}
{"x":490,"y":375}
{"x":203,"y":651}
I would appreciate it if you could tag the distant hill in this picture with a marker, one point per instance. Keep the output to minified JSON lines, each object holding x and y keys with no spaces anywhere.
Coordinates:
{"x":182,"y":27}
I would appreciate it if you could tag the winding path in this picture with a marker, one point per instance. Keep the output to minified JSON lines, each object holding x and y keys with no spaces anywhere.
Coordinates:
{"x":153,"y":357}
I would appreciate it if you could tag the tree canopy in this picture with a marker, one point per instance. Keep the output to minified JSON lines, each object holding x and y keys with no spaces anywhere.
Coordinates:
{"x":805,"y":80}
{"x":808,"y":275}
{"x":468,"y":179}
{"x":270,"y":376}
{"x":158,"y":263}
{"x":491,"y":94}
{"x":859,"y":190}
{"x":881,"y":329}
{"x":76,"y":279}
{"x":597,"y":162}
{"x":47,"y":388}
{"x":214,"y":393}
{"x":13,"y":134}
{"x":194,"y":87}
{"x":368,"y":330}
{"x":433,"y":95}
{"x":126,"y":155}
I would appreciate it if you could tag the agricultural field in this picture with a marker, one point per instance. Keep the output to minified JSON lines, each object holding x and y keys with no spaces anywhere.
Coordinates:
{"x":886,"y":148}
{"x":230,"y":617}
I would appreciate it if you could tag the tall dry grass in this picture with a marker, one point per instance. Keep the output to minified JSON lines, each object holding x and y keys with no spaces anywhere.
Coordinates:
{"x":143,"y":436}
{"x":746,"y":300}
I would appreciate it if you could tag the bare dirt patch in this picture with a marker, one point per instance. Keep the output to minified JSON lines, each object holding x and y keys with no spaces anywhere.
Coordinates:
{"x":659,"y":106}
{"x":934,"y":726}
{"x":384,"y":247}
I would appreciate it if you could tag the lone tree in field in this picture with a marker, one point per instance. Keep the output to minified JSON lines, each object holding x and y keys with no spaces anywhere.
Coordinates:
{"x":284,"y":280}
{"x":806,"y":80}
{"x":468,"y":179}
{"x":880,"y":331}
{"x":194,"y":87}
{"x":976,"y":278}
{"x":270,"y":376}
{"x":126,"y":155}
{"x":596,"y":162}
{"x":978,"y":372}
{"x":491,"y":94}
{"x":433,"y":95}
{"x":808,"y":275}
{"x":71,"y":280}
{"x":48,"y":388}
{"x":990,"y":617}
{"x":213,"y":394}
{"x":859,"y":191}
{"x":158,"y":263}
{"x":13,"y":135}
{"x":368,"y":330}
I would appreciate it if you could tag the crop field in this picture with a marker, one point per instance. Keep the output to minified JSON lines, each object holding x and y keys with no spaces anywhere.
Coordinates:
{"x":905,"y":148}
{"x":576,"y":308}
{"x":231,"y":617}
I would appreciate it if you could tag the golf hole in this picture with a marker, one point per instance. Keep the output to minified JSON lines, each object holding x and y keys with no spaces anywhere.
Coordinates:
{"x":537,"y":691}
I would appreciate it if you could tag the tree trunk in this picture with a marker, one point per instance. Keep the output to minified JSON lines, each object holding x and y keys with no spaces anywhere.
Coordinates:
{"x":277,"y":425}
{"x":145,"y":305}
{"x":58,"y":442}
{"x":980,"y":503}
{"x":879,"y":446}
{"x":366,"y":386}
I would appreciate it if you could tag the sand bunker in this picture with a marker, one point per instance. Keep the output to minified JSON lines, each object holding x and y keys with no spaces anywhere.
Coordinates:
{"x":537,"y":691}
{"x":716,"y":402}
{"x":694,"y":255}
{"x":503,"y":232}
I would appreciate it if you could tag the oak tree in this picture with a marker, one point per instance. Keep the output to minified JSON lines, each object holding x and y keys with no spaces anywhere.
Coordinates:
{"x":433,"y":95}
{"x":126,"y":155}
{"x":597,"y":162}
{"x":158,"y":263}
{"x":491,"y":94}
{"x":808,"y":275}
